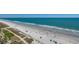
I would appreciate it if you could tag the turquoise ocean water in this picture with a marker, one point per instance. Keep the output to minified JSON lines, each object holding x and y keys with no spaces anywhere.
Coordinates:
{"x":70,"y":23}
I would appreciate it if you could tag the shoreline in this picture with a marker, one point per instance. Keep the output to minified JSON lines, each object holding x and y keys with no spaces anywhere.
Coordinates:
{"x":46,"y":35}
{"x":49,"y":26}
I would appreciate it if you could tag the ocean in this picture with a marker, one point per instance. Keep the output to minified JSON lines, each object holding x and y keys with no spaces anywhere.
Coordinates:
{"x":69,"y":23}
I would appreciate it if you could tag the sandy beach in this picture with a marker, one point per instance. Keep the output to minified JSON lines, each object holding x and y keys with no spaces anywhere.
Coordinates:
{"x":46,"y":35}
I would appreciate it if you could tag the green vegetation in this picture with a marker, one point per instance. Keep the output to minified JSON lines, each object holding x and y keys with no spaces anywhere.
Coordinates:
{"x":3,"y":26}
{"x":7,"y":35}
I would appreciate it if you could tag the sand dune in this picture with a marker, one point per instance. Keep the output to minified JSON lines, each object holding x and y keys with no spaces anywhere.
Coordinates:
{"x":46,"y":35}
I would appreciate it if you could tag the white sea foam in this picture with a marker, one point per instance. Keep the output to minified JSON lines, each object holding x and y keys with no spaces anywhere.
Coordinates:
{"x":59,"y":28}
{"x":60,"y":35}
{"x":48,"y":26}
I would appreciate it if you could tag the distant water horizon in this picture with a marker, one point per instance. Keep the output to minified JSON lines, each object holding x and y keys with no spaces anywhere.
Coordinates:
{"x":70,"y":23}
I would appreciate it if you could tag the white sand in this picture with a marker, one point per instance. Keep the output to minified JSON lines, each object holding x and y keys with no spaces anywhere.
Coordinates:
{"x":45,"y":34}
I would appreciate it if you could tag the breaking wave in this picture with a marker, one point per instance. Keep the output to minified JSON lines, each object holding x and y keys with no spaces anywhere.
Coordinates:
{"x":59,"y":28}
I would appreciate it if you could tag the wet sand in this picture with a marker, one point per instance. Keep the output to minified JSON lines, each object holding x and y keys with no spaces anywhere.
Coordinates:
{"x":46,"y":35}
